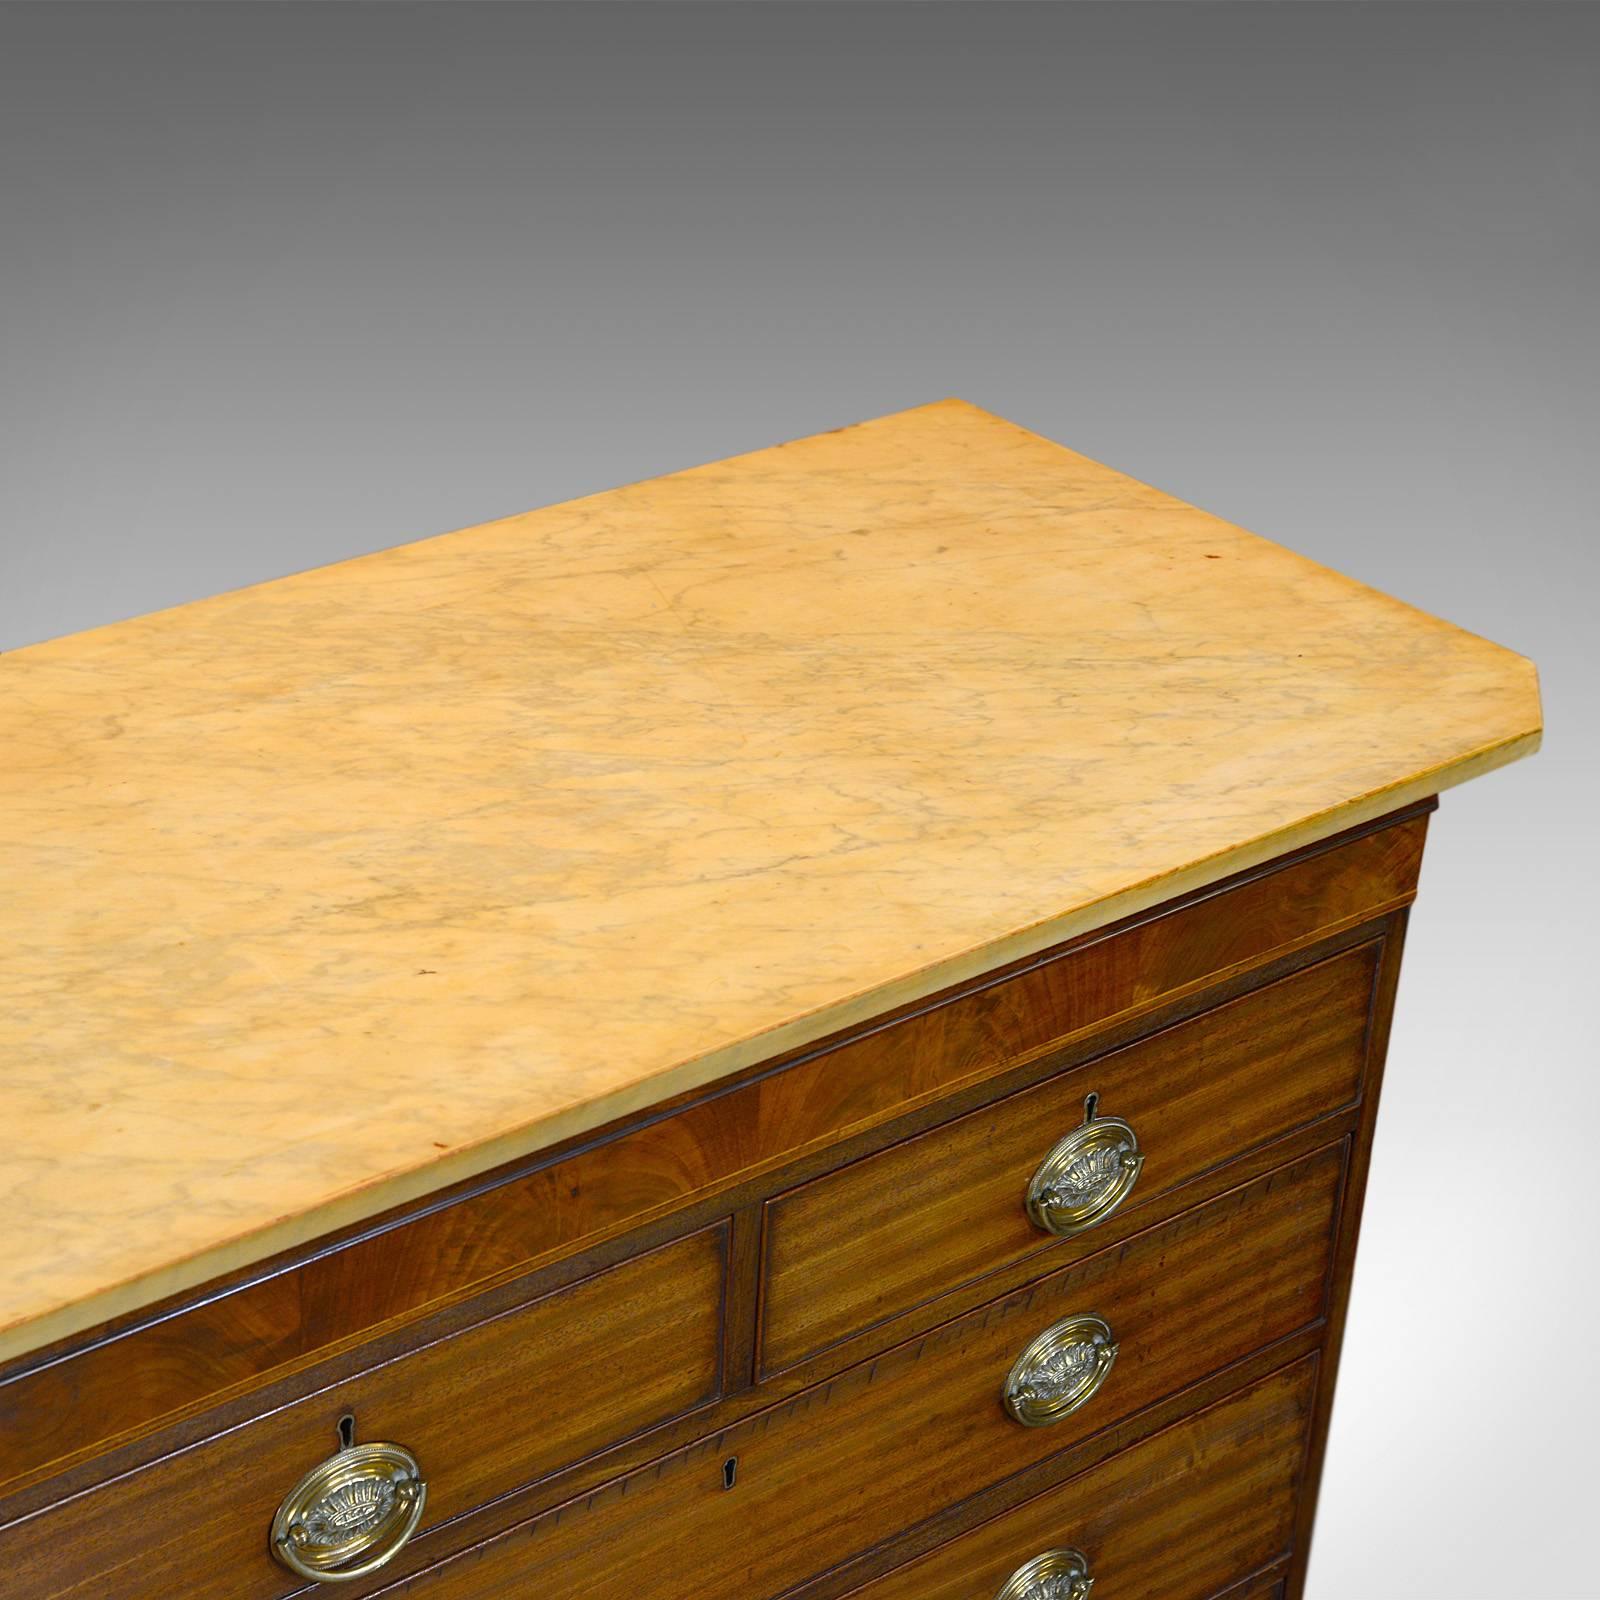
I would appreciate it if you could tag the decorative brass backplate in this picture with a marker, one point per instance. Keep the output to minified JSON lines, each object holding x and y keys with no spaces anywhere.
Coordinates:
{"x":1059,"y":1371}
{"x":351,"y":1514}
{"x":1086,"y":1176}
{"x":1055,"y":1575}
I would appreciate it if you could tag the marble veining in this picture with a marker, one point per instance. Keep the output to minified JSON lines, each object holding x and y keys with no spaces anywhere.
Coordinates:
{"x":319,"y":894}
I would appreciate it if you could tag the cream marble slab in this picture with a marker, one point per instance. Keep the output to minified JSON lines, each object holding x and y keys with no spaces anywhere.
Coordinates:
{"x":320,"y":894}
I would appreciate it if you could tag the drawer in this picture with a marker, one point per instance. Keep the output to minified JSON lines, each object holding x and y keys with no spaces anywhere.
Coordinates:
{"x":483,"y":1411}
{"x":841,"y":1467}
{"x":1187,"y":1514}
{"x":901,"y":1227}
{"x":1268,"y":1587}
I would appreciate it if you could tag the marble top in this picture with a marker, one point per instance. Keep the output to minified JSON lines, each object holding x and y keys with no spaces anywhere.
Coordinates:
{"x":323,"y":893}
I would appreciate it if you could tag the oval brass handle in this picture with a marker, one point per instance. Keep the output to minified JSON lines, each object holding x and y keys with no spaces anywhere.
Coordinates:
{"x":1086,"y":1176}
{"x":1055,"y":1575}
{"x":351,"y":1514}
{"x":1059,"y":1371}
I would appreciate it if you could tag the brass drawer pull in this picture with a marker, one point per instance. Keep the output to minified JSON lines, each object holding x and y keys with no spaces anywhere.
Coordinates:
{"x":1056,"y":1575}
{"x":1059,"y":1371}
{"x":1086,"y":1176}
{"x":351,"y":1514}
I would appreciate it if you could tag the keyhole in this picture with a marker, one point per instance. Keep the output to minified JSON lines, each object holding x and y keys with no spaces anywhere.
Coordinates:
{"x":347,"y":1431}
{"x":730,"y":1471}
{"x":1091,"y":1104}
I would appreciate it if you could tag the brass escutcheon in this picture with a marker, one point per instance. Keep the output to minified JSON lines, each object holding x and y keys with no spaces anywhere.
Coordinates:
{"x":351,"y":1514}
{"x":1086,"y":1176}
{"x":1055,"y":1575}
{"x":1059,"y":1371}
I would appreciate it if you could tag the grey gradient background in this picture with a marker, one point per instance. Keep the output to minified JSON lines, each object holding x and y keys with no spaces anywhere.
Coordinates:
{"x":281,"y":283}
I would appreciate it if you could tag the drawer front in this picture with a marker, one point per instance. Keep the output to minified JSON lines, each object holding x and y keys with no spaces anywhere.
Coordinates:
{"x":885,"y":1445}
{"x":1194,"y":1510}
{"x":1270,"y":1587}
{"x":897,"y":1229}
{"x":483,"y":1411}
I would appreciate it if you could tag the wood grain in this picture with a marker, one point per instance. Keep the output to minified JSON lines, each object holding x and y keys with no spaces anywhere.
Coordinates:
{"x":860,"y":1245}
{"x":1350,"y":1212}
{"x":887,"y":1445}
{"x":1191,"y":1511}
{"x":1263,"y":1586}
{"x":484,"y":1412}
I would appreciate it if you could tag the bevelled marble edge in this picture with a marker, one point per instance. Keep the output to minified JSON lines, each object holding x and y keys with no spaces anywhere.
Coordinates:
{"x":402,"y":1188}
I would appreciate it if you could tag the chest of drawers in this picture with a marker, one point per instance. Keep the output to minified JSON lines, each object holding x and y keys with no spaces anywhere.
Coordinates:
{"x":785,"y":1214}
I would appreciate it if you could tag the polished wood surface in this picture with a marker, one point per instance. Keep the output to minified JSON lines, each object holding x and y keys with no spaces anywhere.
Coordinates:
{"x":325,"y":894}
{"x":857,"y":1246}
{"x":492,"y":1408}
{"x":1268,"y":1586}
{"x":884,"y":1446}
{"x":1345,"y":1254}
{"x":1185,"y":1515}
{"x":115,"y":1382}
